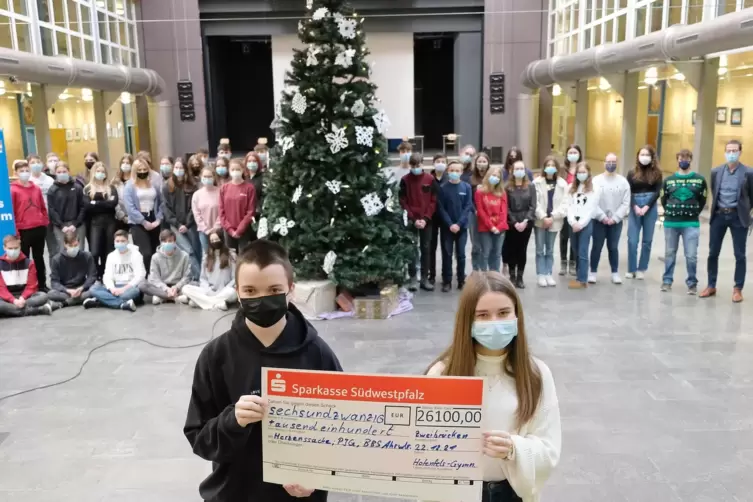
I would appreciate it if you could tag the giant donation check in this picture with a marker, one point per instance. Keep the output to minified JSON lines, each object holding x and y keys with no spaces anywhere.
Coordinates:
{"x":393,"y":436}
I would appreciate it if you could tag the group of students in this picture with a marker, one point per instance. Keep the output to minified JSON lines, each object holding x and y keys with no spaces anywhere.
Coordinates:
{"x":500,"y":206}
{"x":187,"y":220}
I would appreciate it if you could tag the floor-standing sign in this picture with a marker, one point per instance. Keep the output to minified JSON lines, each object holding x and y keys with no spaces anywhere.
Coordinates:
{"x":7,"y":225}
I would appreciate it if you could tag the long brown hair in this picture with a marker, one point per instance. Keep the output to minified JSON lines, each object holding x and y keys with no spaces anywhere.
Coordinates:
{"x":589,"y":187}
{"x":511,"y":179}
{"x":195,"y":164}
{"x":476,"y":177}
{"x":552,"y":159}
{"x":650,"y":173}
{"x":255,"y":157}
{"x":188,"y":183}
{"x":580,"y":156}
{"x":460,"y":357}
{"x":509,"y":161}
{"x":224,"y":251}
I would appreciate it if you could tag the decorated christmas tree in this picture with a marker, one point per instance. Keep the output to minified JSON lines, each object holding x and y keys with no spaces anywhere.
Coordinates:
{"x":326,"y":198}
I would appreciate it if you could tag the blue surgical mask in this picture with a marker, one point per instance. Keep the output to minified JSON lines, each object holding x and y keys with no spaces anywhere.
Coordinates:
{"x":221,"y":171}
{"x":440,"y":167}
{"x":684,"y":164}
{"x":24,"y":176}
{"x":252,"y":166}
{"x":453,"y":176}
{"x":72,"y":251}
{"x":495,"y":335}
{"x":165,"y":168}
{"x":179,"y":172}
{"x":582,"y":177}
{"x":100,"y":175}
{"x":519,"y":173}
{"x":550,"y":170}
{"x":36,"y":168}
{"x":207,"y":181}
{"x":610,"y":166}
{"x":404,"y":157}
{"x":732,"y":156}
{"x":63,"y":178}
{"x":573,"y":157}
{"x":416,"y":170}
{"x":494,"y":180}
{"x":13,"y":254}
{"x":126,"y":168}
{"x":168,"y":247}
{"x":466,"y":159}
{"x":121,"y":246}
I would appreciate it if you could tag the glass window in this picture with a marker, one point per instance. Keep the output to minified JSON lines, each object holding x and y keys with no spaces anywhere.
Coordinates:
{"x":120,"y":8}
{"x":89,"y":50}
{"x":621,"y":28}
{"x":132,"y":42}
{"x":573,"y":44}
{"x":104,"y":52}
{"x":73,"y":21}
{"x":102,"y":25}
{"x":122,"y":27}
{"x":597,"y":34}
{"x":76,"y":48}
{"x":46,"y":35}
{"x":587,"y":38}
{"x":675,"y":12}
{"x":23,"y":36}
{"x":576,"y":16}
{"x":609,"y":32}
{"x":19,"y":7}
{"x":552,"y":26}
{"x":695,"y":11}
{"x":43,"y":7}
{"x":4,"y":5}
{"x":62,"y":39}
{"x":134,"y":61}
{"x":622,"y":4}
{"x":640,"y":21}
{"x":573,"y":18}
{"x":115,"y":56}
{"x":86,"y":20}
{"x":597,"y":9}
{"x":589,"y":10}
{"x":59,"y":12}
{"x":747,"y":3}
{"x":113,"y":30}
{"x":6,"y":39}
{"x":111,"y":5}
{"x":656,"y":16}
{"x":725,"y":7}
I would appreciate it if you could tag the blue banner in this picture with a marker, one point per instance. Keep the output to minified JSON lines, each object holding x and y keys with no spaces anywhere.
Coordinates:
{"x":7,"y":225}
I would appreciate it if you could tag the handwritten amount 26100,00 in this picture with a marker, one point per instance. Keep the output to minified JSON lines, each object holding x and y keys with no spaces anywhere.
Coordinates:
{"x":452,"y":417}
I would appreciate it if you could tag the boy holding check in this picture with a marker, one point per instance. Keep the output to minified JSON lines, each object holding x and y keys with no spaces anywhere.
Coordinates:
{"x":226,"y":404}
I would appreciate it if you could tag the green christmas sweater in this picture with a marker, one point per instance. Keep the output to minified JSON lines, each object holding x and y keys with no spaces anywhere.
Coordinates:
{"x":683,"y":198}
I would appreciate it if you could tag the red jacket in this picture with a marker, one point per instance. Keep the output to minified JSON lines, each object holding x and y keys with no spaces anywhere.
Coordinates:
{"x":29,"y":208}
{"x":418,"y":196}
{"x":17,"y":278}
{"x":237,"y":206}
{"x":491,"y":210}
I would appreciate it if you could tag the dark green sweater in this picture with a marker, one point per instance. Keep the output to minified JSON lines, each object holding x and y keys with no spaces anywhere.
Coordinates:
{"x":683,"y":198}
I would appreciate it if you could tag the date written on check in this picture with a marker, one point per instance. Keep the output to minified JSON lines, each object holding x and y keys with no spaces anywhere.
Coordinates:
{"x":394,"y":436}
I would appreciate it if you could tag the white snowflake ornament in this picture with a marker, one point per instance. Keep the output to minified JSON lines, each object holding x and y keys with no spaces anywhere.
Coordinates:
{"x":347,"y":28}
{"x":263,"y":229}
{"x":311,"y":56}
{"x":286,"y":144}
{"x":365,"y":135}
{"x":334,"y":186}
{"x":337,"y":17}
{"x":405,"y":218}
{"x":336,"y":139}
{"x":320,"y":13}
{"x":345,"y":58}
{"x":358,"y":108}
{"x":388,"y":193}
{"x":299,"y":103}
{"x":381,"y":121}
{"x":329,"y":262}
{"x":371,"y":203}
{"x":283,"y":225}
{"x":297,"y":194}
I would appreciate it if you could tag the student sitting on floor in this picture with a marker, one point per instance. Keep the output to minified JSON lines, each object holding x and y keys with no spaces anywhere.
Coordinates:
{"x":73,"y":273}
{"x":18,"y":283}
{"x":124,"y":273}
{"x":216,"y":287}
{"x":169,"y":272}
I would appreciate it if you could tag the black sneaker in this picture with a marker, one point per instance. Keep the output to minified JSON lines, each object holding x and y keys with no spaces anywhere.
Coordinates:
{"x":446,"y":287}
{"x":91,"y":303}
{"x":693,"y":291}
{"x":46,"y":309}
{"x":563,"y":267}
{"x":413,"y":286}
{"x":427,"y":286}
{"x":461,"y":284}
{"x":130,"y":305}
{"x":666,"y":287}
{"x":519,"y":282}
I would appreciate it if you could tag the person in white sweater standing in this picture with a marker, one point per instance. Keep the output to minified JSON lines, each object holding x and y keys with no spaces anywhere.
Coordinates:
{"x":523,"y":442}
{"x":613,"y":207}
{"x":124,"y":273}
{"x":580,"y":212}
{"x":216,"y":289}
{"x":551,"y":211}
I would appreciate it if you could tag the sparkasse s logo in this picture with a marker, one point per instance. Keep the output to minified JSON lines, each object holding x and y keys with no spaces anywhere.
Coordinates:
{"x":278,"y":385}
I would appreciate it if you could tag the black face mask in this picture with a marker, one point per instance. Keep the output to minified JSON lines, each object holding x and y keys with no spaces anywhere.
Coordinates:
{"x":89,"y":164}
{"x":265,"y":311}
{"x":142,"y":176}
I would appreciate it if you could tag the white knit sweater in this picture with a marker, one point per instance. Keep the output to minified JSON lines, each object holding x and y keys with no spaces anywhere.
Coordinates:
{"x":537,"y":443}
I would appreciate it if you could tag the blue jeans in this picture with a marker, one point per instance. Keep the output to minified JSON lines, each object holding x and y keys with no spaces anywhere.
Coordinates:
{"x":491,"y":250}
{"x":720,"y":222}
{"x":690,"y":236}
{"x":476,"y":250}
{"x":544,"y":250}
{"x":191,"y":244}
{"x":611,"y":234}
{"x":647,"y":223}
{"x":204,"y":240}
{"x":582,"y":239}
{"x":450,"y":241}
{"x":103,"y":295}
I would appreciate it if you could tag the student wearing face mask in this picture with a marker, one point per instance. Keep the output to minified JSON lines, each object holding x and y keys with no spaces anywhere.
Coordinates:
{"x":101,"y":200}
{"x":683,"y":198}
{"x":262,"y":150}
{"x":166,"y":168}
{"x":216,"y":289}
{"x":222,"y":171}
{"x":255,"y":175}
{"x":205,"y":206}
{"x":155,"y":178}
{"x":170,"y":272}
{"x":573,"y":157}
{"x":466,"y":157}
{"x":237,"y":208}
{"x":144,"y":206}
{"x":223,"y":151}
{"x":118,"y":181}
{"x":521,"y":216}
{"x":455,"y":206}
{"x":82,"y":179}
{"x":124,"y":274}
{"x":31,"y":216}
{"x":551,"y":213}
{"x":177,"y":197}
{"x":645,"y":184}
{"x":40,"y":176}
{"x":523,"y":439}
{"x":440,"y":176}
{"x":66,"y":206}
{"x":404,"y":150}
{"x":226,"y":406}
{"x":581,"y":209}
{"x":73,"y":273}
{"x":195,"y":164}
{"x":513,"y":156}
{"x":19,"y":290}
{"x":479,"y":167}
{"x":491,"y":214}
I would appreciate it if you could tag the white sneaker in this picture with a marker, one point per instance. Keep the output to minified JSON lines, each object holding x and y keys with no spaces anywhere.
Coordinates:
{"x":156,"y":300}
{"x":129,"y":305}
{"x":193,"y":304}
{"x":542,"y":281}
{"x":591,"y":278}
{"x":220,"y":306}
{"x":640,"y":275}
{"x":629,"y":276}
{"x":550,"y":281}
{"x":182,"y":299}
{"x":616,"y":279}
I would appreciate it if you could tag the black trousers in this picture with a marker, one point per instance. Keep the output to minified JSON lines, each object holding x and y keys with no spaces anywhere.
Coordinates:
{"x":565,"y":236}
{"x":433,"y":243}
{"x":515,"y":248}
{"x":499,"y":491}
{"x":101,"y":241}
{"x":424,"y":239}
{"x":240,"y":243}
{"x":146,"y":240}
{"x":33,"y":240}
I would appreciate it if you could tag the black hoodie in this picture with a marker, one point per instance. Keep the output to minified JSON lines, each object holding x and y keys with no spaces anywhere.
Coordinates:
{"x":230,"y":367}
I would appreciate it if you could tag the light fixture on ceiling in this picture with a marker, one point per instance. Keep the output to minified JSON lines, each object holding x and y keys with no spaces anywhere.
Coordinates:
{"x":652,"y":76}
{"x":86,"y":94}
{"x":28,"y":90}
{"x":125,"y":98}
{"x":722,"y":65}
{"x":2,"y":87}
{"x":604,"y":84}
{"x":679,"y":77}
{"x":641,"y":87}
{"x":556,"y":90}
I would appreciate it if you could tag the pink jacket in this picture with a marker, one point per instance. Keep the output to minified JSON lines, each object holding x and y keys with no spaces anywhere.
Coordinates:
{"x":205,"y":205}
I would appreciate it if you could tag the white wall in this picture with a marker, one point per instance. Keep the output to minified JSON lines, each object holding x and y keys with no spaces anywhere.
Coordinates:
{"x":392,"y":54}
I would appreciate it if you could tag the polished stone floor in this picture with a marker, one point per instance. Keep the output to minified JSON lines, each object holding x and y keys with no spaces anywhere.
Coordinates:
{"x":655,"y":389}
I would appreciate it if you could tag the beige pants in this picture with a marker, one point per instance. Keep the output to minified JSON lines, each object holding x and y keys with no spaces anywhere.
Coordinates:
{"x":207,"y":299}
